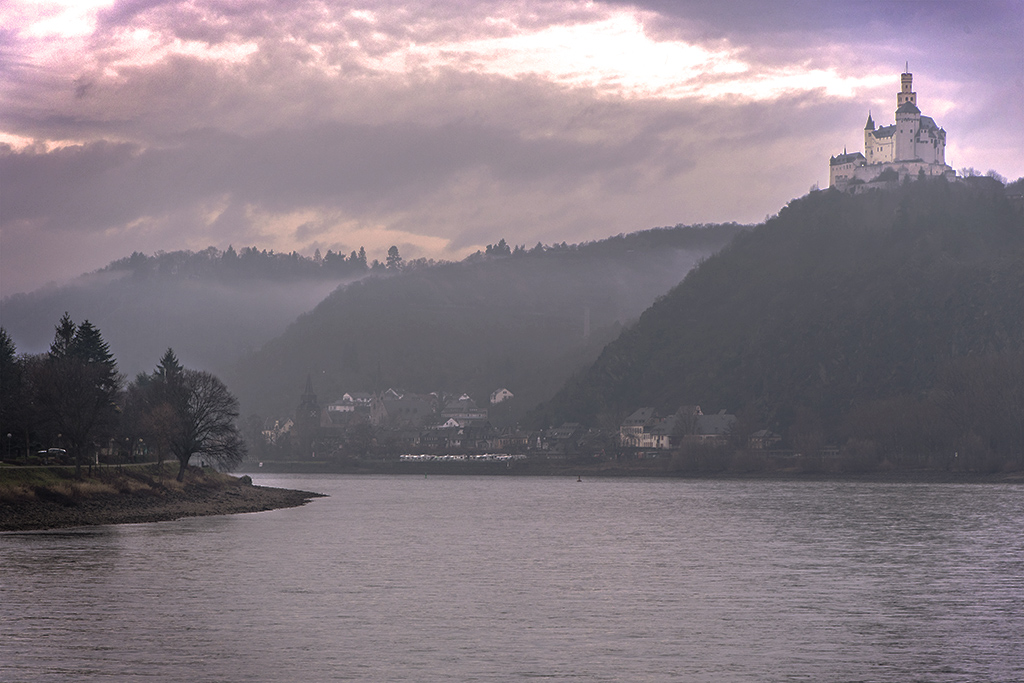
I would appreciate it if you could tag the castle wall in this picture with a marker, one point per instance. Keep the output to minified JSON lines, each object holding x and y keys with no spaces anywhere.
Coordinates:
{"x":842,"y":173}
{"x":903,"y":169}
{"x":877,"y":150}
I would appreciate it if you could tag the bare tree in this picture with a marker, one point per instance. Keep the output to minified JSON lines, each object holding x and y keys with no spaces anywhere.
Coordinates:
{"x":205,"y":423}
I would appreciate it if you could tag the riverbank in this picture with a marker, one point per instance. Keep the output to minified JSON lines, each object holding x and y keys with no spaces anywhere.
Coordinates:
{"x":644,"y":468}
{"x":50,"y":498}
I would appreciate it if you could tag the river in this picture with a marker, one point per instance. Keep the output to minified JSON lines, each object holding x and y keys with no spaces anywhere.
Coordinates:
{"x":436,"y":578}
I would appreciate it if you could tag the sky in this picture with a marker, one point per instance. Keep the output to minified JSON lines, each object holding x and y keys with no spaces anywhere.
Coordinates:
{"x":441,"y":127}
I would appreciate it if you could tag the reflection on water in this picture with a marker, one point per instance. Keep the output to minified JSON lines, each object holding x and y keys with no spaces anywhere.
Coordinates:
{"x":463,"y":578}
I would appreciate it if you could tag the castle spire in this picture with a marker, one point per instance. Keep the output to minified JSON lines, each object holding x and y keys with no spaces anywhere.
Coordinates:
{"x":870,"y":125}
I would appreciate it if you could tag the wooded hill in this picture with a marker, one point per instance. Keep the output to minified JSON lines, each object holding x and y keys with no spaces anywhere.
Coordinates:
{"x":891,"y":318}
{"x":511,"y":318}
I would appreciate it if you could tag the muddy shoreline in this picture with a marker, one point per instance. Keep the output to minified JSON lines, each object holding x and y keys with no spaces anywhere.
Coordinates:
{"x":56,"y":512}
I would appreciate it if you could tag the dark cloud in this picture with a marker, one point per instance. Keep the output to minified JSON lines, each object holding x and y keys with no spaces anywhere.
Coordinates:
{"x":348,"y":166}
{"x":975,"y":42}
{"x":746,"y":18}
{"x":189,"y":150}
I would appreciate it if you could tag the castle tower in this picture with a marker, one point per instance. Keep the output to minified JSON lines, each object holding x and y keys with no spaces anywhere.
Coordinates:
{"x":908,"y":121}
{"x":869,"y":135}
{"x":906,"y":93}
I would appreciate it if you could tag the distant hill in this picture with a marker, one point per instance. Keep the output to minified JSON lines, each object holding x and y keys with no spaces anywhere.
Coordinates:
{"x":522,"y":320}
{"x":842,"y":317}
{"x":210,"y":306}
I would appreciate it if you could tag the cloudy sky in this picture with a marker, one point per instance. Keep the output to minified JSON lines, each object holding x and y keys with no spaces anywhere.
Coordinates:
{"x":440,"y":127}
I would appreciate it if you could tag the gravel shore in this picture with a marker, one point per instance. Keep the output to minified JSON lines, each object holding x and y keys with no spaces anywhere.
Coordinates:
{"x":145,"y":506}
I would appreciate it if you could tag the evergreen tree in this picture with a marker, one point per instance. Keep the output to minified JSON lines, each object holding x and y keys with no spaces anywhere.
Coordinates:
{"x":394,"y":260}
{"x":11,"y":391}
{"x":76,"y":389}
{"x":64,"y":338}
{"x":168,"y":370}
{"x":89,"y":347}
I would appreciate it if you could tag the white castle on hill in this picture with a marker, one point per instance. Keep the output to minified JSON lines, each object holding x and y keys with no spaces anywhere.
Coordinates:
{"x":910,"y":147}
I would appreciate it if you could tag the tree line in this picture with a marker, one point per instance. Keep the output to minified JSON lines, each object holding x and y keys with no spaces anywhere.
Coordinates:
{"x":71,"y":403}
{"x":264,"y":264}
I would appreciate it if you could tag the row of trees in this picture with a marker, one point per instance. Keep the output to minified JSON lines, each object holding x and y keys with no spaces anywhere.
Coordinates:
{"x":253,"y":263}
{"x":249,"y":262}
{"x":72,"y":398}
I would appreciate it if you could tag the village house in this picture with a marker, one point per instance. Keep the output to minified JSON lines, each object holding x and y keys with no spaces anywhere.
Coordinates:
{"x":508,"y":440}
{"x":501,"y":395}
{"x":349,"y":404}
{"x":763,"y":439}
{"x":465,"y":410}
{"x":712,"y":430}
{"x":644,"y":430}
{"x":563,"y":439}
{"x":274,"y":430}
{"x":397,"y":409}
{"x":633,"y":428}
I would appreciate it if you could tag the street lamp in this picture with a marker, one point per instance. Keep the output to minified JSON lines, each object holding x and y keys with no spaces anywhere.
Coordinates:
{"x":8,"y":445}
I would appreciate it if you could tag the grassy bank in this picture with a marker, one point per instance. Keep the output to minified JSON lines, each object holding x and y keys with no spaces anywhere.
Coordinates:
{"x":27,"y":484}
{"x":52,"y":497}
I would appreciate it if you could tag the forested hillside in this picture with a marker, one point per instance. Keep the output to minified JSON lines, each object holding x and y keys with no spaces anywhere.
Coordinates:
{"x":507,"y":318}
{"x":891,"y":318}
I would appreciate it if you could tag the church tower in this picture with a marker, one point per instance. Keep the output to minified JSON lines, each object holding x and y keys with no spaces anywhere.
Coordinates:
{"x":307,"y":421}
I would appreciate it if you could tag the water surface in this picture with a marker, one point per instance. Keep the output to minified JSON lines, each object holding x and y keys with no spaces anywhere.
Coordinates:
{"x":504,"y":579}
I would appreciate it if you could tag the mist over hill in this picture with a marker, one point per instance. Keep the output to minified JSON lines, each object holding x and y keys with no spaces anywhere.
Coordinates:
{"x":521,"y":319}
{"x":884,"y":316}
{"x":210,"y":306}
{"x":510,"y":316}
